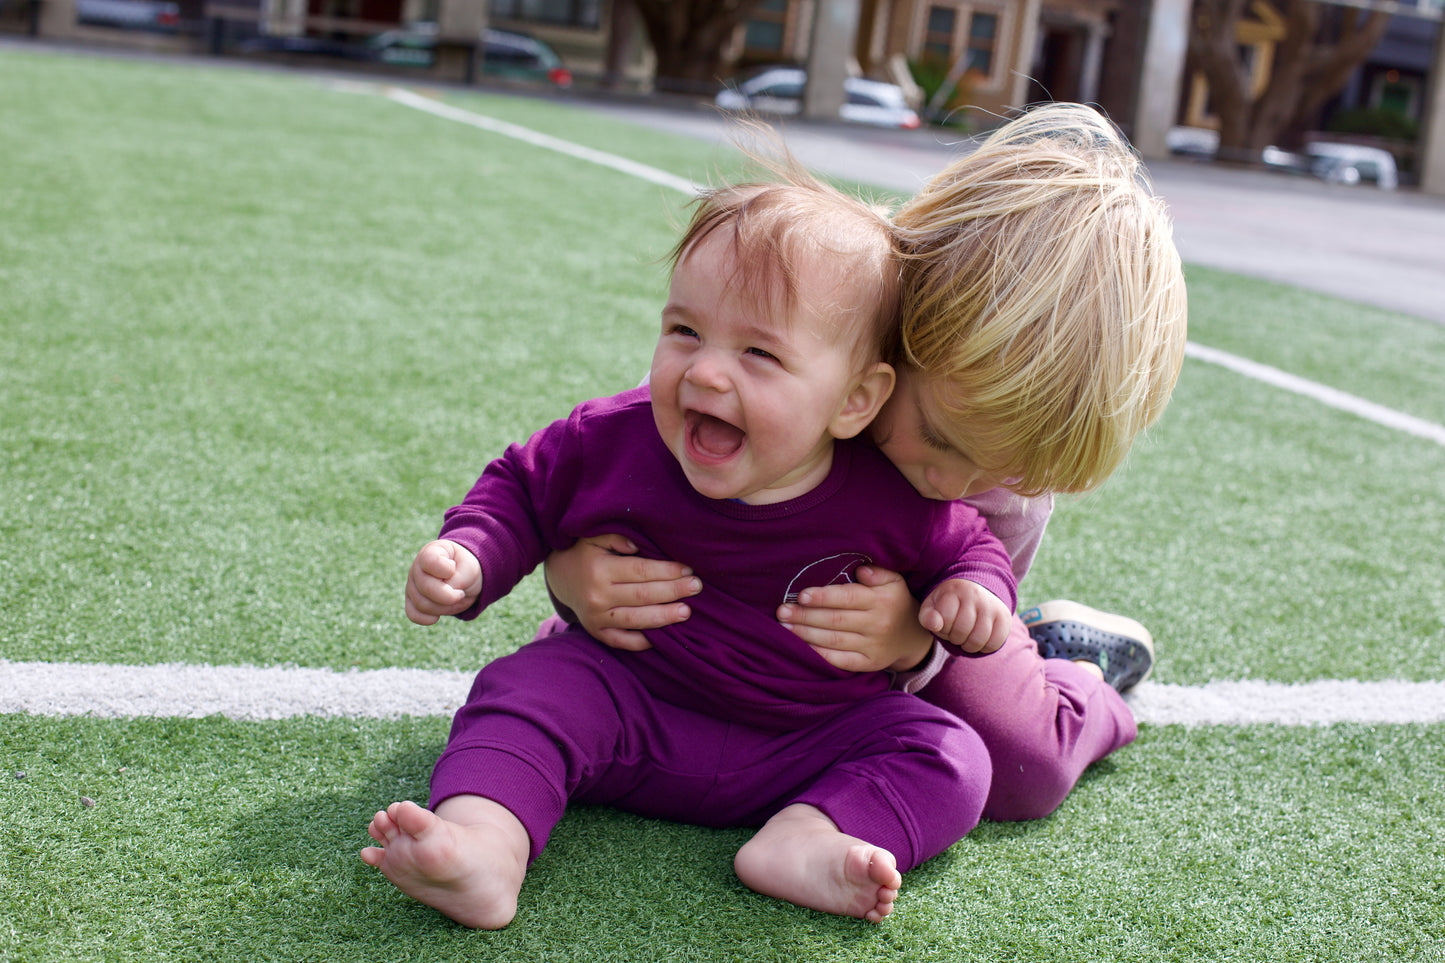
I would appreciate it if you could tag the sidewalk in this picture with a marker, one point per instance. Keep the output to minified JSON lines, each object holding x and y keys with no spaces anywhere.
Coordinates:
{"x":1385,"y":248}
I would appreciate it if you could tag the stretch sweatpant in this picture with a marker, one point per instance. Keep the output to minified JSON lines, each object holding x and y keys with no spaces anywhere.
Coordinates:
{"x":1044,"y":721}
{"x":563,"y":720}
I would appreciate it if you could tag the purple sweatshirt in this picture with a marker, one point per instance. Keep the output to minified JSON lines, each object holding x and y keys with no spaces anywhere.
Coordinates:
{"x":605,"y":469}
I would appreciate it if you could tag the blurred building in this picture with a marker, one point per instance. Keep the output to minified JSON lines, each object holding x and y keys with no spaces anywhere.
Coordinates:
{"x":974,"y":59}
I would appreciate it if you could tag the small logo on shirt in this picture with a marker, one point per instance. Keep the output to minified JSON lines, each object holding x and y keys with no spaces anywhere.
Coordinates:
{"x":833,"y":570}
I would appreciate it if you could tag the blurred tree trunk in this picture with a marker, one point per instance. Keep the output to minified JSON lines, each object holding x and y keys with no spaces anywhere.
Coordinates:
{"x":1306,"y":72}
{"x":688,"y":37}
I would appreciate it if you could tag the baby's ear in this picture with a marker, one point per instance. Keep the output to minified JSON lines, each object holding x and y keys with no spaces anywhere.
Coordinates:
{"x":864,"y":401}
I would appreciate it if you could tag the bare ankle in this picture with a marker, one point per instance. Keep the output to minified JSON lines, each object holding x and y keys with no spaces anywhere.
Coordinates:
{"x":801,"y":856}
{"x":467,"y":859}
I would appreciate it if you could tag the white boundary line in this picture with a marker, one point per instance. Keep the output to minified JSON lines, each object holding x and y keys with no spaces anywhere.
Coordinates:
{"x":1251,"y":369}
{"x":409,"y":99}
{"x":255,"y":694}
{"x":1321,"y":393}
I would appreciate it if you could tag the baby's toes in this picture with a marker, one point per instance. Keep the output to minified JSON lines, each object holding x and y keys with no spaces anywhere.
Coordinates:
{"x":381,"y":828}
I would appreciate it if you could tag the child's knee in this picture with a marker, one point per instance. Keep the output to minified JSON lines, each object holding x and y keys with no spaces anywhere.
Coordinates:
{"x":971,"y":775}
{"x":1028,"y":790}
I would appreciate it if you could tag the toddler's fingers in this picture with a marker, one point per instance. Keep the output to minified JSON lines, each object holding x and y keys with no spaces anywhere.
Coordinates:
{"x":819,"y":637}
{"x":635,"y":568}
{"x":827,"y":618}
{"x":656,"y":594}
{"x":624,"y":640}
{"x":875,"y":577}
{"x":846,"y":659}
{"x":614,"y":543}
{"x":846,"y":596}
{"x":632,"y":618}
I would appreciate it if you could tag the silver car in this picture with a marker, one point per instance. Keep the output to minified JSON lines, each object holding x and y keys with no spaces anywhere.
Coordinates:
{"x":779,"y":90}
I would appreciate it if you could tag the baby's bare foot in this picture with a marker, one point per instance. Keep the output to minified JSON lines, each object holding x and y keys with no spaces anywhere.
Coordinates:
{"x":472,"y":871}
{"x":802,"y":857}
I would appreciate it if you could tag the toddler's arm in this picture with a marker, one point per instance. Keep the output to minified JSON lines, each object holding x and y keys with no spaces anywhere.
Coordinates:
{"x":613,"y":593}
{"x":865,"y":626}
{"x":444,"y":579}
{"x":967,"y":615}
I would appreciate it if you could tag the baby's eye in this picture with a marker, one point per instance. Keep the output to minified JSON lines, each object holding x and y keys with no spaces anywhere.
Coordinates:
{"x":682,"y":330}
{"x":760,"y":353}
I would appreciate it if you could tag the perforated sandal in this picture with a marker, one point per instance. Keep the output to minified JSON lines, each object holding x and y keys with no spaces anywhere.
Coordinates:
{"x":1119,"y":646}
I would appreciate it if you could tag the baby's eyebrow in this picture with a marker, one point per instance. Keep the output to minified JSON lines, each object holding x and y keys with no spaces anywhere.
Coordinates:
{"x":764,"y":334}
{"x":770,"y":337}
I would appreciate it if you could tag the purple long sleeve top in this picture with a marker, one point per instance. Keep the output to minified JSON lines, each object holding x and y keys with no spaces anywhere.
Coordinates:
{"x":605,"y":469}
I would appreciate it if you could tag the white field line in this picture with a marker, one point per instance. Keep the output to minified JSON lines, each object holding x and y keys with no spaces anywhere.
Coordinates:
{"x":622,"y":164}
{"x":1251,"y":369}
{"x":252,"y":693}
{"x":1321,"y":393}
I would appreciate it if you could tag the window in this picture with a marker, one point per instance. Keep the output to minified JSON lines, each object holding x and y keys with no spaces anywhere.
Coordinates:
{"x":982,"y":38}
{"x":938,"y":38}
{"x":954,"y":30}
{"x":767,"y":28}
{"x":570,"y":13}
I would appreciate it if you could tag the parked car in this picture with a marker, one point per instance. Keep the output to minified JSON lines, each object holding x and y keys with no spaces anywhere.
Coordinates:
{"x":505,"y":53}
{"x":157,"y":15}
{"x":1353,"y":164}
{"x":779,"y":90}
{"x":303,"y":44}
{"x":1330,"y":161}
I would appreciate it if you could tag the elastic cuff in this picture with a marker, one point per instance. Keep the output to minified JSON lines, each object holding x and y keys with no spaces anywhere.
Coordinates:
{"x":506,"y":777}
{"x":913,"y":680}
{"x":869,"y":811}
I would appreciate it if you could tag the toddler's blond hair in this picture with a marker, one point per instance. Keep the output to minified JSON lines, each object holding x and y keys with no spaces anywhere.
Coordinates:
{"x":1043,"y":298}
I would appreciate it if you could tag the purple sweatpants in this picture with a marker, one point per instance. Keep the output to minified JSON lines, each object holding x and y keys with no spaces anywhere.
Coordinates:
{"x":563,"y":720}
{"x":1044,"y":721}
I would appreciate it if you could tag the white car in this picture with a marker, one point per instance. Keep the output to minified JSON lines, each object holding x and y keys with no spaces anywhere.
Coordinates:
{"x":1352,"y":164}
{"x":1330,"y":161}
{"x":158,"y":15}
{"x":779,"y":90}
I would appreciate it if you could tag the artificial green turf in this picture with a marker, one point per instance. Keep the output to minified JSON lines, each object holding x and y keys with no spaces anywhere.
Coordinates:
{"x":265,"y":331}
{"x":1262,"y":536}
{"x":250,"y":373}
{"x":1384,"y":357}
{"x":260,"y":333}
{"x":218,"y":840}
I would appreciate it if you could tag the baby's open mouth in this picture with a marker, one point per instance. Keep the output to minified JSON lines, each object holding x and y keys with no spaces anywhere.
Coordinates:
{"x":712,"y":437}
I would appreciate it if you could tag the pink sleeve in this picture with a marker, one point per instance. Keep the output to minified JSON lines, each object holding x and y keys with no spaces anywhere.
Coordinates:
{"x":1017,"y":522}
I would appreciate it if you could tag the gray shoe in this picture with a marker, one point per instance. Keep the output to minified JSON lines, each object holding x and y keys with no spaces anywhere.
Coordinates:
{"x":1121,"y":647}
